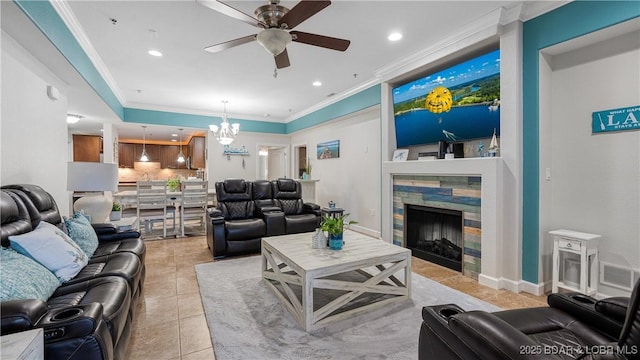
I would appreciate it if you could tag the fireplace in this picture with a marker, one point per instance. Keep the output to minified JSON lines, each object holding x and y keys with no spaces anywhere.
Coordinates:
{"x":435,"y":235}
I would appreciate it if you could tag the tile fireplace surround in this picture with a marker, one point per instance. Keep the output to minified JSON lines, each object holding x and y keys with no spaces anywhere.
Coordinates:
{"x":472,"y":185}
{"x":461,"y":193}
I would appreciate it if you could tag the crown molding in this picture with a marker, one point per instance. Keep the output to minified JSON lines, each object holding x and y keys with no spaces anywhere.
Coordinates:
{"x":72,"y":23}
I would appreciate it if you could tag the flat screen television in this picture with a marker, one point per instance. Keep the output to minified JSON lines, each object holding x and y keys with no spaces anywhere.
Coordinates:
{"x":459,"y":103}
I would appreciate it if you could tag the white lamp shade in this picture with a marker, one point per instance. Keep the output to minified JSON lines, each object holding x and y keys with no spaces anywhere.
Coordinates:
{"x":92,"y":176}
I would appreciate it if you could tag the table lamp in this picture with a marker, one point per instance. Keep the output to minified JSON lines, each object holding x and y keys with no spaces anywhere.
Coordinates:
{"x":93,"y":177}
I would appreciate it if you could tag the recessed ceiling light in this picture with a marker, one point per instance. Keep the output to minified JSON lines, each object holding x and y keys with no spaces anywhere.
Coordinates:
{"x":317,"y":83}
{"x":174,"y":140}
{"x":155,"y":53}
{"x":174,"y":135}
{"x":394,"y":36}
{"x":72,"y":119}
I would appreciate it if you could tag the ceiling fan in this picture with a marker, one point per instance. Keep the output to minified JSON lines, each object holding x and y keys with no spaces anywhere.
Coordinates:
{"x":276,"y":21}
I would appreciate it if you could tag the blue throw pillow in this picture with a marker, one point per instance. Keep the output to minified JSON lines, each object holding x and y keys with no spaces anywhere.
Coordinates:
{"x":80,"y":230}
{"x":52,"y":248}
{"x":22,"y":278}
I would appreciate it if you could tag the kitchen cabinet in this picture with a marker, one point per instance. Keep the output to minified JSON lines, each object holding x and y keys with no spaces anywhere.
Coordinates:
{"x":166,"y":155}
{"x":126,"y":155}
{"x":169,"y":157}
{"x":197,"y":148}
{"x":87,"y":148}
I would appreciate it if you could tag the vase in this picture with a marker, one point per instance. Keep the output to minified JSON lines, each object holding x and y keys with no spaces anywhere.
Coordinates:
{"x":335,"y":241}
{"x":318,"y":240}
{"x":115,"y":215}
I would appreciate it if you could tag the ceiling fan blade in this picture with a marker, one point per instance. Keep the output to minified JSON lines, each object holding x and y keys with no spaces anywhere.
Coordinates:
{"x":229,"y":44}
{"x":301,"y":12}
{"x":232,"y":12}
{"x":282,"y":60}
{"x":320,"y":40}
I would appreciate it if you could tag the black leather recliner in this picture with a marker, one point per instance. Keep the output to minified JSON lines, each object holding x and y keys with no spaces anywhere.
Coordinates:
{"x":574,"y":326}
{"x":88,"y":317}
{"x":248,"y":211}
{"x":234,"y":229}
{"x":298,"y":216}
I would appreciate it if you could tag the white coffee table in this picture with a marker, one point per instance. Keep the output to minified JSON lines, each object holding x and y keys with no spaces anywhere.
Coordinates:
{"x":367,"y":274}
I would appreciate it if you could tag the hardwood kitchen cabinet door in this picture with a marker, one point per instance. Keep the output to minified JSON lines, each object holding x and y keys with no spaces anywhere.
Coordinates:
{"x":87,"y":148}
{"x":126,"y":155}
{"x":197,"y":148}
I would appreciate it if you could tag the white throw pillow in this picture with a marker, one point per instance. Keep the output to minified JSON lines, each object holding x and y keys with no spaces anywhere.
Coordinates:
{"x":52,"y":248}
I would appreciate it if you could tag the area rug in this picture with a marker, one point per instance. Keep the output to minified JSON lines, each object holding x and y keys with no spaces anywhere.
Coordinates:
{"x":246,"y":320}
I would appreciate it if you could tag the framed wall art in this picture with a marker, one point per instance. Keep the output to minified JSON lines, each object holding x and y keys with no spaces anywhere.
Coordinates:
{"x":329,"y":149}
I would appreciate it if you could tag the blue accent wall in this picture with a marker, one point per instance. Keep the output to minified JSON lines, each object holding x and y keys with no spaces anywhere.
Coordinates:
{"x":572,"y":20}
{"x":197,"y":121}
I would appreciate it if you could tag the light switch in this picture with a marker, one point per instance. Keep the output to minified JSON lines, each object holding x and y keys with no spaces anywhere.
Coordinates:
{"x":547,"y":174}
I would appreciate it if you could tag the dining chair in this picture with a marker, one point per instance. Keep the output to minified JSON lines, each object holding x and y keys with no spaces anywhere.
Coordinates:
{"x":153,"y":205}
{"x":193,"y":204}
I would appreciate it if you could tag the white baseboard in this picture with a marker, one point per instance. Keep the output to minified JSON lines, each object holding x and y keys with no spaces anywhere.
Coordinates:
{"x":366,"y":231}
{"x":514,"y":286}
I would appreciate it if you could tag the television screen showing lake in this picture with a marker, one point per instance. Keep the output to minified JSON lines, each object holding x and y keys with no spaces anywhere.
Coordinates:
{"x":459,"y":103}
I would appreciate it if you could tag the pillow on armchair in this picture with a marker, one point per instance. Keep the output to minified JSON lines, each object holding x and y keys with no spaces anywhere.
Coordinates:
{"x":52,"y":248}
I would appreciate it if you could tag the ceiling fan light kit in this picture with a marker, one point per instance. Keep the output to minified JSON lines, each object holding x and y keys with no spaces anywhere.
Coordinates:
{"x":275,"y":21}
{"x":274,"y":40}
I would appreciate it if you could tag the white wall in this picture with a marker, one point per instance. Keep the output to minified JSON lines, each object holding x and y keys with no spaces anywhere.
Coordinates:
{"x":219,"y":168}
{"x":594,"y":185}
{"x":34,"y":129}
{"x":352,"y":181}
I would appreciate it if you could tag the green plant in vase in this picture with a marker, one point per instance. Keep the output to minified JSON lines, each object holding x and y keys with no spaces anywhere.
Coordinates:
{"x":116,"y":212}
{"x":307,"y":169}
{"x":173,"y":184}
{"x":335,"y":227}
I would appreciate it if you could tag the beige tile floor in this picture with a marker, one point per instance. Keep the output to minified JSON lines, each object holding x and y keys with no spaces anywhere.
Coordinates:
{"x":170,"y":322}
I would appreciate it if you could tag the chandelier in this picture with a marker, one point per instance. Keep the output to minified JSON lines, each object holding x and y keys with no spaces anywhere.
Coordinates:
{"x":227,"y":132}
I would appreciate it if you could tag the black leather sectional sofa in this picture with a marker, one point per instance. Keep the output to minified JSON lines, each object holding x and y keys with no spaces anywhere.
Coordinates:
{"x":574,"y":326}
{"x":89,"y":316}
{"x":249,"y":210}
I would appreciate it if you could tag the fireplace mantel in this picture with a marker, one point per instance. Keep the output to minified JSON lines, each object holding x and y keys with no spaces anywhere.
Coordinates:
{"x":490,"y":170}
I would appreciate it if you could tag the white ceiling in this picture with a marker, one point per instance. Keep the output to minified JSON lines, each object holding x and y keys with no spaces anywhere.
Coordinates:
{"x":187,"y":79}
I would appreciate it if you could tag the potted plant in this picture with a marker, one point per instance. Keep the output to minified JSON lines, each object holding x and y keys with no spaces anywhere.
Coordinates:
{"x":116,"y":212}
{"x":173,"y":184}
{"x":335,"y":226}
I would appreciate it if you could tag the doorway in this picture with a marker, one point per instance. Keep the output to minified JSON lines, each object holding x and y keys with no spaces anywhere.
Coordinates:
{"x":272,"y":162}
{"x":299,"y":160}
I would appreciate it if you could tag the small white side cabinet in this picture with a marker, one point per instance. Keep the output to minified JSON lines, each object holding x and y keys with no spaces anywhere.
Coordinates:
{"x":26,"y":345}
{"x":575,"y":261}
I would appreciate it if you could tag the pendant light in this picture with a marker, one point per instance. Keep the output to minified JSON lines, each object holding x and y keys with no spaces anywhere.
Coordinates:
{"x":180,"y":155}
{"x":144,"y":157}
